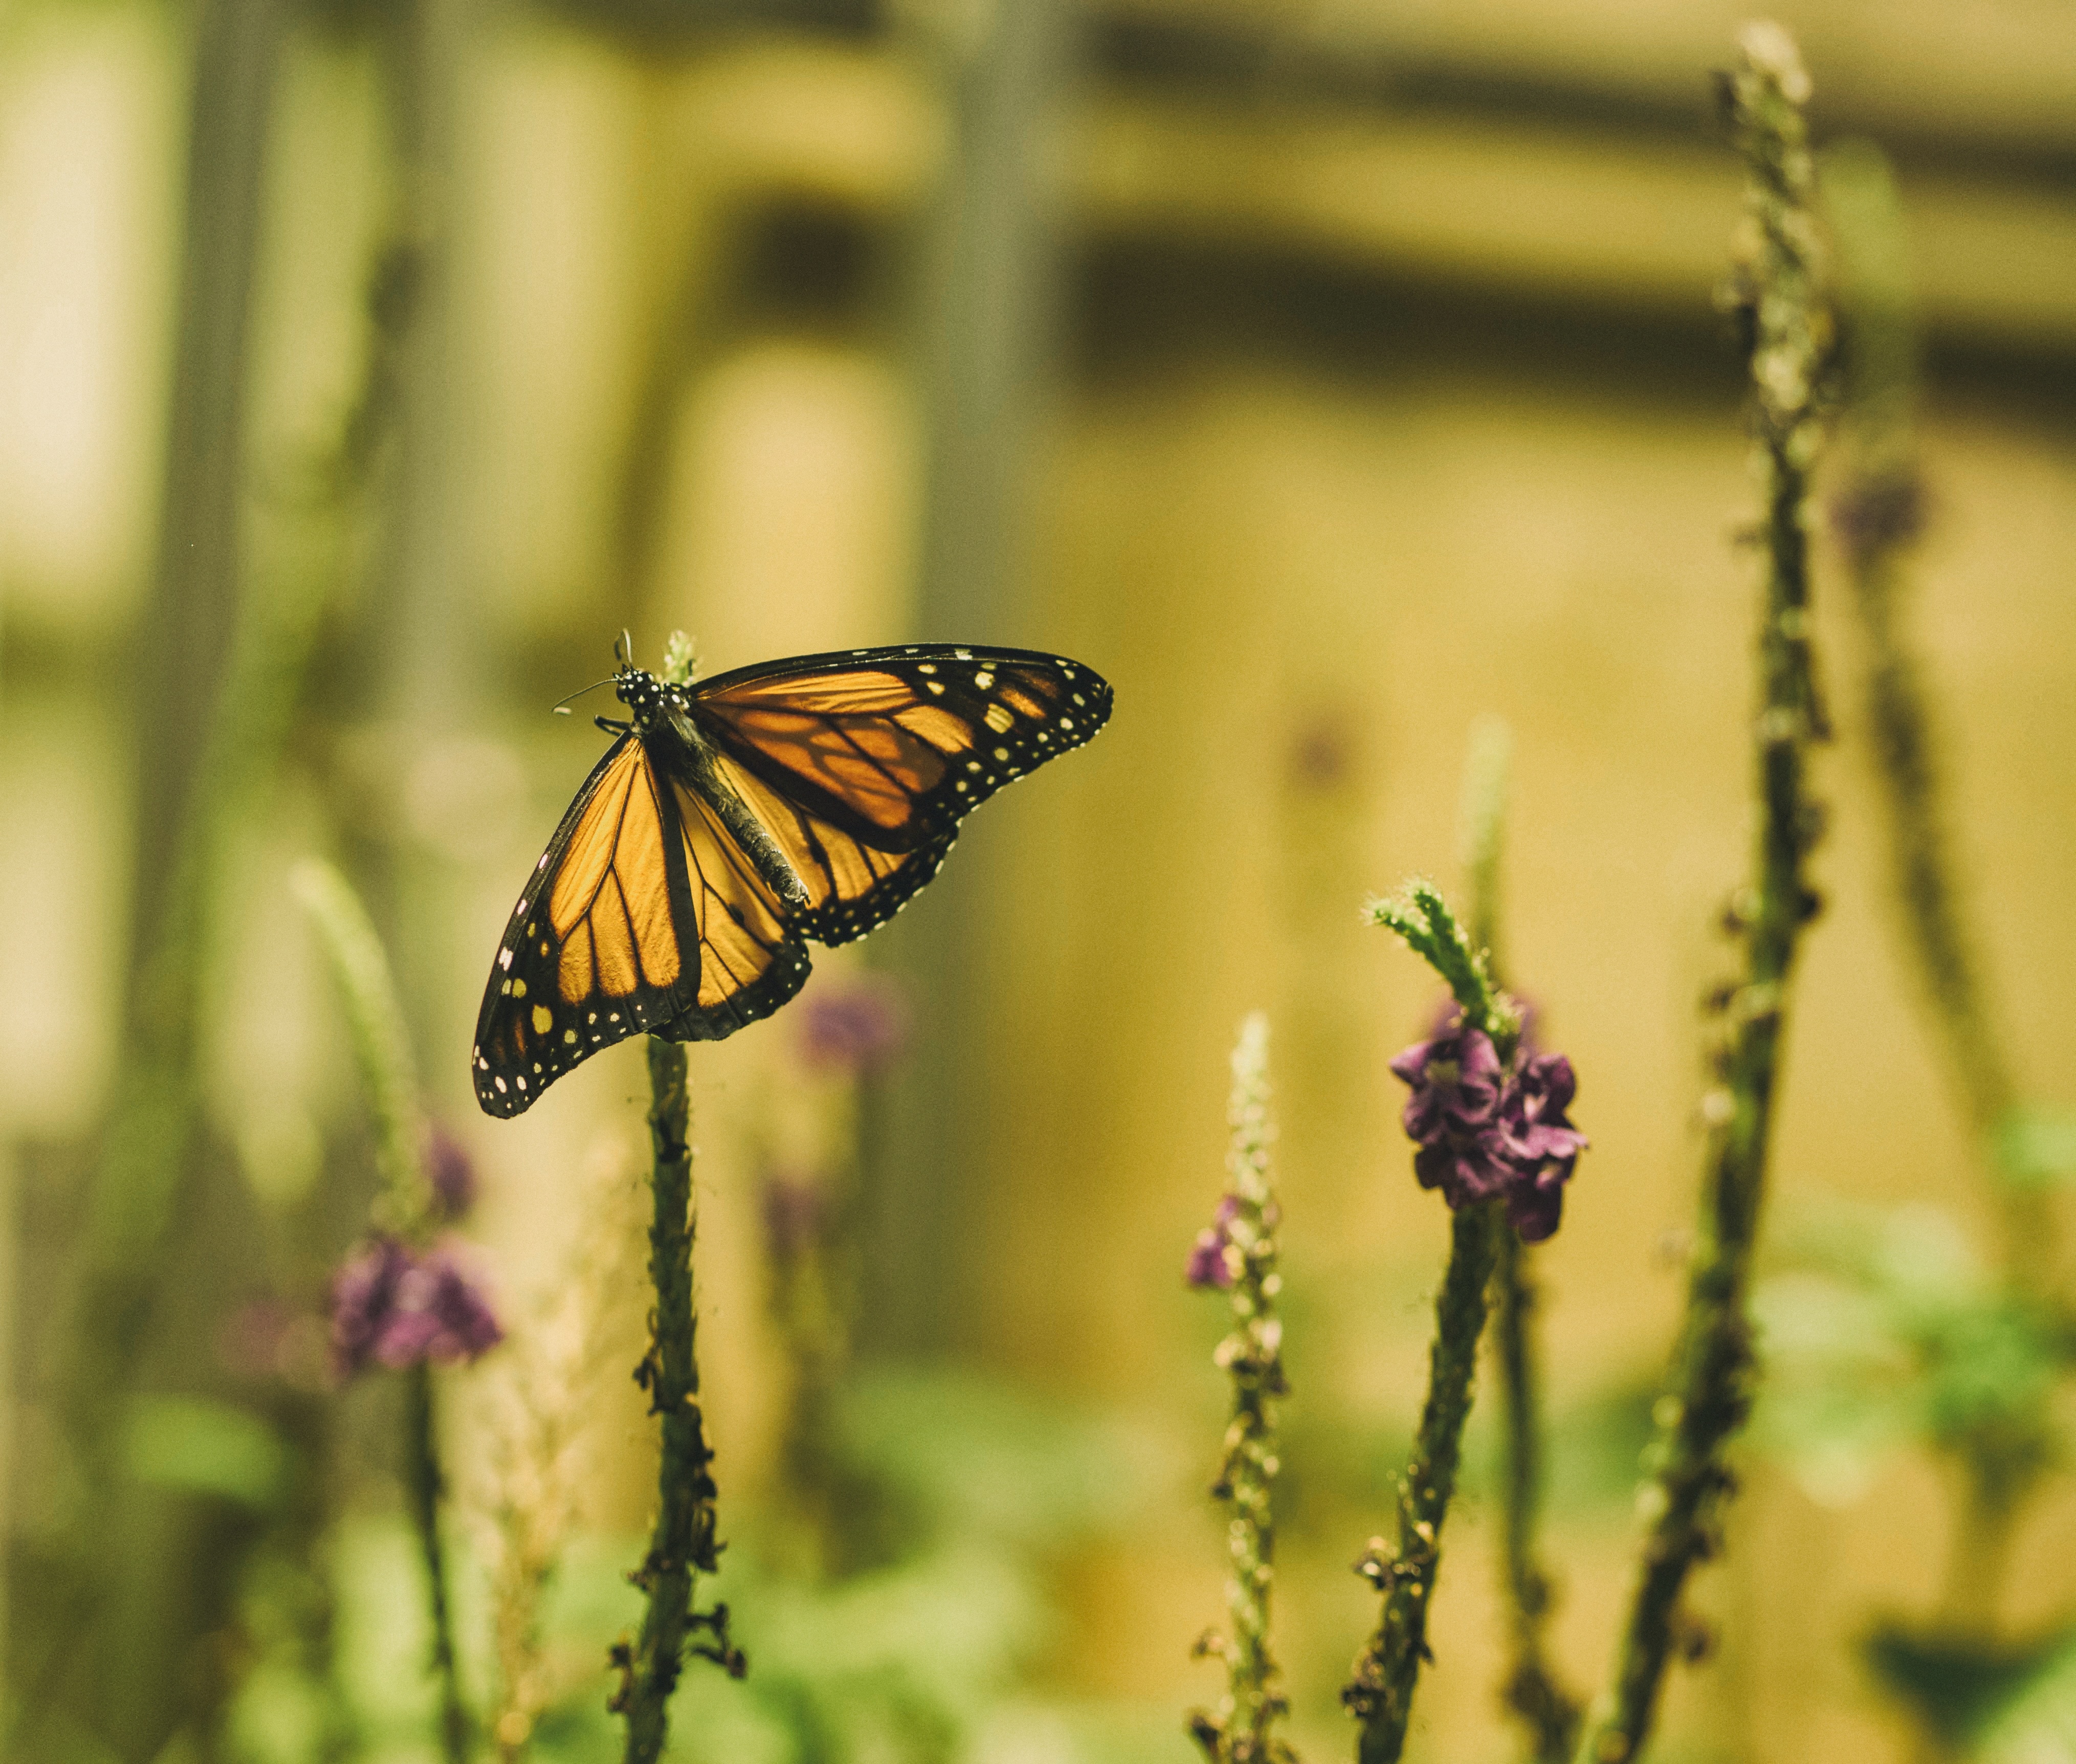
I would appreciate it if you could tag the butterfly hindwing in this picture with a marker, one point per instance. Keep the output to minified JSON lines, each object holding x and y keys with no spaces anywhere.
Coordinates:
{"x":863,"y":762}
{"x":751,"y":958}
{"x":594,"y":951}
{"x":851,"y":887}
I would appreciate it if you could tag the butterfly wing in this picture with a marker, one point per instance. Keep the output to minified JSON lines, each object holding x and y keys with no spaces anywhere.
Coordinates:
{"x":645,"y":914}
{"x":638,"y":917}
{"x":862,"y":762}
{"x":751,"y":959}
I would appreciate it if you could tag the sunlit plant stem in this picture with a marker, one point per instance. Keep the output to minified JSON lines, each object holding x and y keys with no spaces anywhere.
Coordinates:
{"x":1245,"y":1245}
{"x":1387,"y":1670}
{"x":1710,"y":1393}
{"x":403,"y":1206}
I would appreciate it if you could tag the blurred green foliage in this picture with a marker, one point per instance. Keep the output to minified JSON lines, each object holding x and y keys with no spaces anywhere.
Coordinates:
{"x":1882,"y":1330}
{"x":972,"y":1489}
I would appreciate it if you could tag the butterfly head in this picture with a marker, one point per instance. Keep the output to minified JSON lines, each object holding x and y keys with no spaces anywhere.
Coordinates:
{"x":646,"y":696}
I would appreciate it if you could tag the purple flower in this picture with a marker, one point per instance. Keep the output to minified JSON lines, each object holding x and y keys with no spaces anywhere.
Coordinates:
{"x":854,"y":1027}
{"x":793,"y":1209}
{"x":1484,"y":1134}
{"x":1467,"y":1170}
{"x":392,"y":1305}
{"x":1208,"y":1265}
{"x":451,"y":1173}
{"x":1456,"y":1081}
{"x":1878,"y":514}
{"x":1542,"y":1144}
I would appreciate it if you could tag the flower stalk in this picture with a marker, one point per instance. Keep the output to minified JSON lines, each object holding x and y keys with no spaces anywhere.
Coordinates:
{"x":1710,"y":1394}
{"x":684,"y":1543}
{"x":1489,"y":1118}
{"x":1877,"y":515}
{"x":1547,"y":1710}
{"x":424,"y":1487}
{"x":1381,"y":1695}
{"x":1244,"y":1262}
{"x":374,"y":1314}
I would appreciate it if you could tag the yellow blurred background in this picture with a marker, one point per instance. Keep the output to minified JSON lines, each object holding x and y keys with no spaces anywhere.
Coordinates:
{"x":1328,"y":377}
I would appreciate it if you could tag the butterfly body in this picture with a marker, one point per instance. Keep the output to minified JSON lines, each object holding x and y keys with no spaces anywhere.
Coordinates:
{"x":731,"y":820}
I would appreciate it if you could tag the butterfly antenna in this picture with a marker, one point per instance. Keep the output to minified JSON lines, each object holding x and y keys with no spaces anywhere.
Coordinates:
{"x":563,"y":709}
{"x":623,"y":651}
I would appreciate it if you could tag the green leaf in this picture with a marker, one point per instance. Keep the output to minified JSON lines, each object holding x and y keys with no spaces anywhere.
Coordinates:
{"x":2037,"y":1721}
{"x":1965,"y":1688}
{"x":204,"y":1447}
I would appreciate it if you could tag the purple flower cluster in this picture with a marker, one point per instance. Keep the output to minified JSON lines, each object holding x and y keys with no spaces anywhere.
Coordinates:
{"x":1485,"y":1133}
{"x":393,"y":1305}
{"x":853,"y":1026}
{"x":1208,"y":1265}
{"x":794,"y":1212}
{"x":450,"y":1171}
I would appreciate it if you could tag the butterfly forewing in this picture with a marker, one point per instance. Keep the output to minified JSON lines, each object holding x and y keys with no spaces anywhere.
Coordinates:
{"x":592,"y":953}
{"x":895,"y":746}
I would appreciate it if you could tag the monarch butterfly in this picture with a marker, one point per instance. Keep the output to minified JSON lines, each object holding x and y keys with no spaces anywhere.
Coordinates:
{"x":731,"y":820}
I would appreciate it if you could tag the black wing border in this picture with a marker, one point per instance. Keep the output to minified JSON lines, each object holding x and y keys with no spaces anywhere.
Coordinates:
{"x":939,"y":810}
{"x":647,"y":1010}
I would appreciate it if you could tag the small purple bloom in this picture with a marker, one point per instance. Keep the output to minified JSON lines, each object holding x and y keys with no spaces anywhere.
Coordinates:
{"x":1484,"y":1134}
{"x":392,"y":1305}
{"x":793,"y":1209}
{"x":1877,"y":515}
{"x":1542,"y":1144}
{"x":854,"y":1027}
{"x":1456,"y":1080}
{"x":1208,"y":1265}
{"x":451,"y":1173}
{"x":1468,"y":1169}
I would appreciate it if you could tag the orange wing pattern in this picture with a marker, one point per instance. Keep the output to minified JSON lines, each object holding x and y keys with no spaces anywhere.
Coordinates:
{"x":851,"y":887}
{"x":751,"y":960}
{"x":592,"y":953}
{"x":646,"y":914}
{"x":863,"y":762}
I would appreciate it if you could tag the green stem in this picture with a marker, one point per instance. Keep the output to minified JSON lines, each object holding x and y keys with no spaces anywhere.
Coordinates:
{"x":1711,"y":1392}
{"x":682,"y":1545}
{"x":1251,"y":1356}
{"x":1880,"y":509}
{"x":1381,"y":1695}
{"x":425,"y":1484}
{"x":1549,"y":1712}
